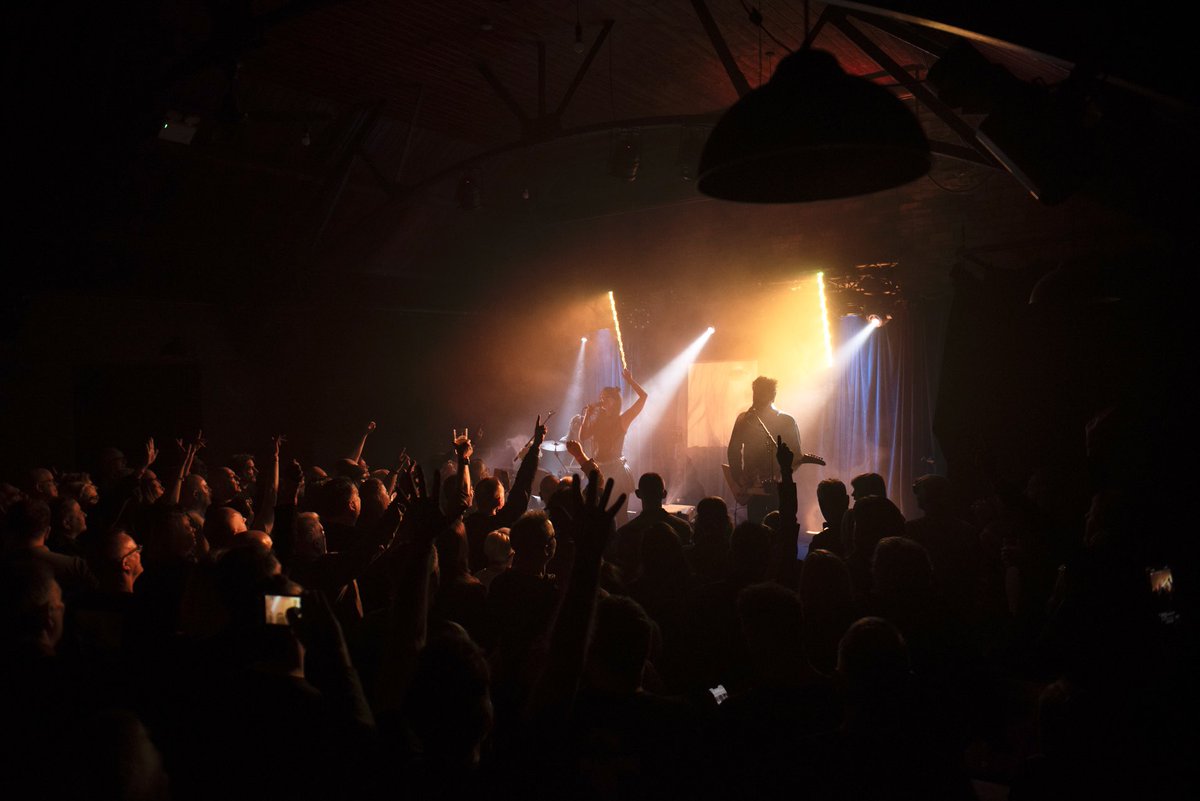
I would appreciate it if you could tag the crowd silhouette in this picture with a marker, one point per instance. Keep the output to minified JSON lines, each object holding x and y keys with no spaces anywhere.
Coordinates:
{"x":458,"y":636}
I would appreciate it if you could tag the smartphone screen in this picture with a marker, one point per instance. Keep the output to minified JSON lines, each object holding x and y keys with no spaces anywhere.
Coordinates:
{"x":1162,"y":586}
{"x":719,"y":694}
{"x":275,"y":608}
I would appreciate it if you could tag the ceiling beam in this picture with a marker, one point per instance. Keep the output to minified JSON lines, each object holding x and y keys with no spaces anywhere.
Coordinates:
{"x":740,"y":84}
{"x":502,"y":92}
{"x":583,"y":68}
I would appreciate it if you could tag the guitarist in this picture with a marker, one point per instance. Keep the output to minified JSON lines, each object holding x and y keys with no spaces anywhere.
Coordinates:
{"x":753,"y":467}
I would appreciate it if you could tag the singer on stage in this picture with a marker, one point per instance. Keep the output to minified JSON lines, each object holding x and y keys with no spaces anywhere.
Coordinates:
{"x":604,"y":424}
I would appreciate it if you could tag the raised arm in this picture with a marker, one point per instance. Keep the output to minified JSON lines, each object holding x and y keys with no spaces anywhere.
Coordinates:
{"x":630,"y":414}
{"x":782,"y":565}
{"x":185,"y":468}
{"x":594,"y":526}
{"x":462,"y":452}
{"x":409,"y":613}
{"x":586,"y":463}
{"x":362,"y":443}
{"x":268,"y":494}
{"x":522,"y":486}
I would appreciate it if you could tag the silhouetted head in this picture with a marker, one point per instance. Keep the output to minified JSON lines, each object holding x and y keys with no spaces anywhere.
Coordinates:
{"x":497,"y":548}
{"x":712,"y":521}
{"x":112,"y":464}
{"x":489,"y":495}
{"x":771,"y":620}
{"x":341,"y":501}
{"x":764,"y":390}
{"x":875,"y":517}
{"x":547,"y":487}
{"x":222,"y":525}
{"x":652,"y":490}
{"x":533,"y":544}
{"x":224,"y":484}
{"x":67,"y":518}
{"x":31,"y":608}
{"x":867,"y":484}
{"x":833,"y":500}
{"x":873,"y":659}
{"x":28,"y":522}
{"x":196,"y":494}
{"x":901,"y":568}
{"x":934,"y":494}
{"x":620,"y":644}
{"x":310,"y":537}
{"x":41,"y":483}
{"x":242,"y":464}
{"x":348,"y":468}
{"x":373,"y":500}
{"x":118,"y":563}
{"x":749,"y":550}
{"x":449,"y":702}
{"x":825,"y":582}
{"x":150,"y":489}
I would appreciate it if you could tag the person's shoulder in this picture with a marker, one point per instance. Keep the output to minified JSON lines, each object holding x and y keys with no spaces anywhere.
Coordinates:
{"x":678,"y":523}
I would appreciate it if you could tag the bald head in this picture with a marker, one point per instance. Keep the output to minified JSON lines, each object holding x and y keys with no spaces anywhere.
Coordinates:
{"x":196,"y":495}
{"x":221,"y":525}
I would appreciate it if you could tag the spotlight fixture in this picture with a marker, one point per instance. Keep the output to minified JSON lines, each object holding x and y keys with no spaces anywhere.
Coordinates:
{"x":583,"y":340}
{"x":710,"y":330}
{"x":868,"y":291}
{"x":812,"y":132}
{"x":468,"y":196}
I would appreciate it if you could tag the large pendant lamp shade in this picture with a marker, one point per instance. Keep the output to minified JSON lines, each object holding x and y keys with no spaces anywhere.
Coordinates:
{"x":812,"y":133}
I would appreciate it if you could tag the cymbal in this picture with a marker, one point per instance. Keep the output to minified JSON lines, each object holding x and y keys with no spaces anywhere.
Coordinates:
{"x":554,"y":446}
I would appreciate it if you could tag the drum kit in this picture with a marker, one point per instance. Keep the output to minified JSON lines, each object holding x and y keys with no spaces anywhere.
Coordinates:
{"x":559,"y":449}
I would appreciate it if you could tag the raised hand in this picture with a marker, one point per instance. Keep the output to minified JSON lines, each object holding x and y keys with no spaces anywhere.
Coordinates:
{"x":151,"y":452}
{"x":627,"y":374}
{"x":370,"y":426}
{"x":783,"y":455}
{"x":595,"y":521}
{"x":424,"y":509}
{"x":576,"y":450}
{"x":462,"y":444}
{"x":317,"y":629}
{"x":276,"y":441}
{"x":539,"y":432}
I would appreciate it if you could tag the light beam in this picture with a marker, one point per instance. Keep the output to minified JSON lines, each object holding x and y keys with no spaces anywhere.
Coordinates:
{"x":612,"y":304}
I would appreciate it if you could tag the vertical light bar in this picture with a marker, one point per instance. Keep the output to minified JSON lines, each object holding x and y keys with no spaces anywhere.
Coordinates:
{"x":612,"y":304}
{"x":825,"y":319}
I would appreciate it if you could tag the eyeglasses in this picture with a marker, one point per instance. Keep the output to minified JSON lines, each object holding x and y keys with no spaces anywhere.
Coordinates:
{"x":134,"y":552}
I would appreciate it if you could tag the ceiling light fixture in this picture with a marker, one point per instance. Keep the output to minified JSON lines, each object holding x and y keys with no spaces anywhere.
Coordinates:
{"x":812,"y":132}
